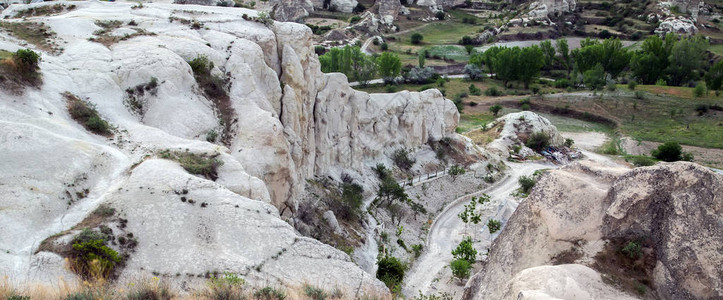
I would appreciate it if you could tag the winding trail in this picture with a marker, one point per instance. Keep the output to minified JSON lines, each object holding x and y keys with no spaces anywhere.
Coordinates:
{"x":448,"y":230}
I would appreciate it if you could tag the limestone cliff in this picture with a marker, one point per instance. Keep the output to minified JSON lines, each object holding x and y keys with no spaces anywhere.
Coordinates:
{"x":284,"y":122}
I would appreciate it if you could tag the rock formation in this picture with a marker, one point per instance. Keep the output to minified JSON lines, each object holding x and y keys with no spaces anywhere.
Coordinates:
{"x":291,"y":10}
{"x":587,"y":209}
{"x":346,"y":6}
{"x":289,"y":122}
{"x":543,"y":8}
{"x":388,"y":10}
{"x":677,"y":25}
{"x":515,"y":128}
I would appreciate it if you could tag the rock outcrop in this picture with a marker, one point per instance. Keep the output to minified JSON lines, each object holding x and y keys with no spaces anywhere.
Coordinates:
{"x":346,"y":6}
{"x":585,"y":206}
{"x":289,"y":122}
{"x":677,"y":25}
{"x":544,"y":8}
{"x":291,"y":10}
{"x":515,"y":128}
{"x":388,"y":10}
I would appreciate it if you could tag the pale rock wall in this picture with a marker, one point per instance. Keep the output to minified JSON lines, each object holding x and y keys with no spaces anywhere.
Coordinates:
{"x":678,"y":205}
{"x":291,"y":123}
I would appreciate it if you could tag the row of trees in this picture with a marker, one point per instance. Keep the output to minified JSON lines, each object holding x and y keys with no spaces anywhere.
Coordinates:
{"x":669,"y":60}
{"x":358,"y":66}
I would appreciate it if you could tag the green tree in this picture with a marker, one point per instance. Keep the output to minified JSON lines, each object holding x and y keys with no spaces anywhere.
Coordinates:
{"x":714,"y":78}
{"x":529,"y":63}
{"x":460,"y":268}
{"x":505,"y":64}
{"x":488,"y":58}
{"x":538,"y":141}
{"x":349,"y":60}
{"x":595,"y":77}
{"x":390,"y":271}
{"x":465,"y":250}
{"x":417,"y":38}
{"x":549,"y":53}
{"x":422,"y":58}
{"x":564,"y":55}
{"x":615,"y":58}
{"x":686,"y":59}
{"x":389,"y":66}
{"x":649,"y":64}
{"x":495,"y":109}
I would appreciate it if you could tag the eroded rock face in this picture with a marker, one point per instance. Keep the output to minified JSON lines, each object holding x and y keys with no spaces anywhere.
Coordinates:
{"x":516,"y":128}
{"x":678,"y":205}
{"x":440,"y":3}
{"x":291,"y":10}
{"x":677,"y":25}
{"x":346,"y":6}
{"x":388,"y":10}
{"x":289,"y":122}
{"x":544,"y":8}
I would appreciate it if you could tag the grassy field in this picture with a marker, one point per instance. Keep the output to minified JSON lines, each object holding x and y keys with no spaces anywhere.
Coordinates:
{"x":664,"y":114}
{"x":440,"y":33}
{"x":5,"y":54}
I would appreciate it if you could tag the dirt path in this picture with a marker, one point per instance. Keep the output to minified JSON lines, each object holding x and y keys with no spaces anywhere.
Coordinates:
{"x":430,"y":272}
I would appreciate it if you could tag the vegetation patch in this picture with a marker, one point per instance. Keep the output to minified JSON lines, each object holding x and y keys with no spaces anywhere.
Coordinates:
{"x":197,"y":164}
{"x":214,"y":87}
{"x":19,"y":69}
{"x":44,"y":10}
{"x":34,"y":33}
{"x":135,"y":98}
{"x":85,"y":114}
{"x":105,"y":34}
{"x":627,"y":264}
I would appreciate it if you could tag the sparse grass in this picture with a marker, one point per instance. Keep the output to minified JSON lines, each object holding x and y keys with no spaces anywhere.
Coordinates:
{"x":214,"y":88}
{"x":35,"y":33}
{"x":198,"y":164}
{"x":105,"y":37}
{"x":44,"y":10}
{"x":85,"y":114}
{"x":315,"y":293}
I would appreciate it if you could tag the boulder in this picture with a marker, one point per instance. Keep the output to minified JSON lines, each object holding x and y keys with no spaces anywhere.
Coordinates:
{"x":677,"y":25}
{"x":515,"y":128}
{"x":291,"y":10}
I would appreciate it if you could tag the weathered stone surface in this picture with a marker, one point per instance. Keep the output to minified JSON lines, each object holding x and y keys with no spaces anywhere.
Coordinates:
{"x":290,"y":122}
{"x":543,"y":8}
{"x":291,"y":10}
{"x":516,"y":128}
{"x":678,"y":205}
{"x":677,"y":25}
{"x":388,"y":10}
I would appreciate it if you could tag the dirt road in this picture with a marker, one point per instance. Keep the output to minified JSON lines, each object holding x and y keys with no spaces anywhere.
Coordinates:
{"x":430,"y":272}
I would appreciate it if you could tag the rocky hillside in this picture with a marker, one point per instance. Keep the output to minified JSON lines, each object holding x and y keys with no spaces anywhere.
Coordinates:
{"x":217,"y":117}
{"x":611,"y":233}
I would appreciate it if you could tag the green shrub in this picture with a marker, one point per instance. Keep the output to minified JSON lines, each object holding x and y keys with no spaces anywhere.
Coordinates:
{"x":538,"y":141}
{"x":661,"y":82}
{"x":439,"y":15}
{"x":525,"y":107}
{"x":633,"y":250}
{"x":270,"y":293}
{"x":200,"y":65}
{"x":402,"y":160}
{"x":632,"y":84}
{"x":526,"y":183}
{"x":493,"y":92}
{"x":26,"y":61}
{"x":494,"y":225}
{"x":465,"y":251}
{"x":639,"y":95}
{"x":385,"y":46}
{"x":670,"y":151}
{"x":355,"y":19}
{"x":475,"y":91}
{"x":417,"y":38}
{"x":92,"y":259}
{"x":417,"y":249}
{"x":85,"y":113}
{"x":699,"y":91}
{"x":390,"y":271}
{"x":315,"y":292}
{"x":146,"y":291}
{"x":495,"y":109}
{"x":460,"y":268}
{"x":611,"y":87}
{"x":640,"y":160}
{"x":569,"y":142}
{"x":198,"y":164}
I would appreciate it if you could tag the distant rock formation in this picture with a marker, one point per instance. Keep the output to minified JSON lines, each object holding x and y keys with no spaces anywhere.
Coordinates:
{"x":585,"y":210}
{"x":544,"y":8}
{"x":346,"y":6}
{"x":677,"y":25}
{"x":291,"y":10}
